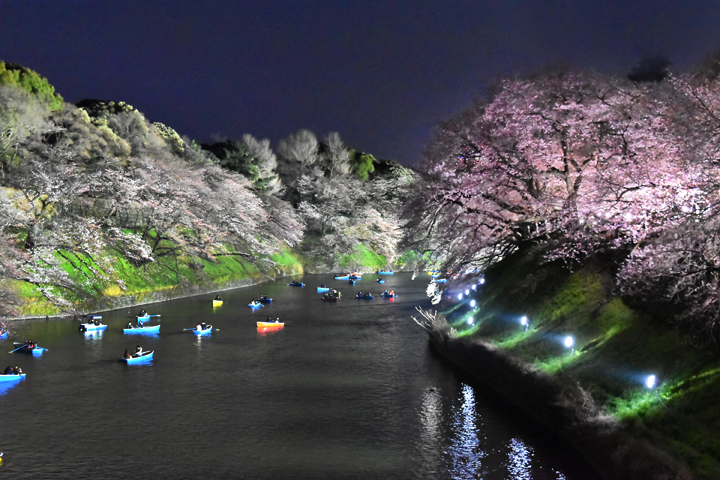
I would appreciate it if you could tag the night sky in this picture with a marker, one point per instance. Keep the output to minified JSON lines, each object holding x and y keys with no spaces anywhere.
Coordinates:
{"x":381,"y":73}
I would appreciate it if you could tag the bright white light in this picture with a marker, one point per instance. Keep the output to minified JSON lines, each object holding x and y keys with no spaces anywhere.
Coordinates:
{"x":474,"y":287}
{"x":523,"y":321}
{"x":467,"y":292}
{"x":459,"y":296}
{"x":470,"y":320}
{"x":569,"y":342}
{"x":482,"y":280}
{"x":472,"y":303}
{"x":650,"y":381}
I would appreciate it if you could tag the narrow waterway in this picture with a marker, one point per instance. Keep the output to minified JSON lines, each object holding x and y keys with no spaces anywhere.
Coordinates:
{"x":346,"y":390}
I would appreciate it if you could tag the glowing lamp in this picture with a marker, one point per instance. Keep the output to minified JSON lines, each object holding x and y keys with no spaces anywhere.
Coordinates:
{"x":467,"y":292}
{"x":524,"y":321}
{"x":459,"y":296}
{"x":569,"y":342}
{"x":474,"y":287}
{"x":470,"y":320}
{"x":472,"y":303}
{"x":482,"y":280}
{"x":650,"y":381}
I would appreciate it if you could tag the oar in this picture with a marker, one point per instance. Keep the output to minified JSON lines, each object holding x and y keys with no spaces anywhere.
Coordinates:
{"x":154,"y":315}
{"x":21,"y":346}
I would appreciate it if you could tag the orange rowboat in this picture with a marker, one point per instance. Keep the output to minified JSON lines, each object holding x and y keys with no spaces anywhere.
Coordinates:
{"x":270,"y":325}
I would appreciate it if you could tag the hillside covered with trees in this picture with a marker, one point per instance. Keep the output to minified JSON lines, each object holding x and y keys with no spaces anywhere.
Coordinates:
{"x":99,"y":203}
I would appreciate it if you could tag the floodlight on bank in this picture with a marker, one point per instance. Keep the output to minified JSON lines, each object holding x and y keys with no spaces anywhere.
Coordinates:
{"x":472,"y":303}
{"x":474,"y":287}
{"x":467,"y":292}
{"x":650,"y":381}
{"x":569,"y":342}
{"x":482,"y":280}
{"x":524,"y":322}
{"x":459,"y":296}
{"x":470,"y":320}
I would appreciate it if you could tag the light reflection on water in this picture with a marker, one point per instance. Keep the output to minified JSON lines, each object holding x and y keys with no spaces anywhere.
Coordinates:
{"x":465,"y":451}
{"x":519,"y":460}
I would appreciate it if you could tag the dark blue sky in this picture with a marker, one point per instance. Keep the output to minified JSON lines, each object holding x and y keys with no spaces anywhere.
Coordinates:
{"x":381,"y":73}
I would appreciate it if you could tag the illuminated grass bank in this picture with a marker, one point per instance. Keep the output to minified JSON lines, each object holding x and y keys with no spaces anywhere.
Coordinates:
{"x":593,"y":390}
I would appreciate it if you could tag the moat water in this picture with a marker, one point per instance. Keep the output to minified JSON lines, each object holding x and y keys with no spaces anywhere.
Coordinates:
{"x":347,"y":390}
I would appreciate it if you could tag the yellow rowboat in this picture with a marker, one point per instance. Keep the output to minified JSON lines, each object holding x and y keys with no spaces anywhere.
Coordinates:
{"x":217,"y":303}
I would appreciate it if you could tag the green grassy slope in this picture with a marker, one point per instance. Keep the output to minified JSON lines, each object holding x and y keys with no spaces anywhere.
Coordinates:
{"x":616,"y":348}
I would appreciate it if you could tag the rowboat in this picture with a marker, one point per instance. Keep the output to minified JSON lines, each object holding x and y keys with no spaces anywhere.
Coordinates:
{"x":265,"y":299}
{"x":388,"y":295}
{"x":142,"y":358}
{"x":270,"y":324}
{"x":204,"y":331}
{"x":329,"y":299}
{"x":140,"y":329}
{"x":364,"y":297}
{"x":382,"y":272}
{"x":357,"y":274}
{"x":94,"y":326}
{"x":342,"y":277}
{"x":3,"y":334}
{"x":143,"y":318}
{"x":323,"y":289}
{"x":296,"y":284}
{"x":380,"y":280}
{"x":12,"y":377}
{"x":217,"y":303}
{"x":35,"y":351}
{"x":255,"y":304}
{"x":355,"y":277}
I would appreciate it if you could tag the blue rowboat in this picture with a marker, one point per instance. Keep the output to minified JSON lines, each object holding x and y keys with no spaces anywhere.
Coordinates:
{"x":364,"y":297}
{"x":204,"y":331}
{"x":342,"y":277}
{"x":92,"y":327}
{"x":35,"y":351}
{"x":380,"y":280}
{"x":3,"y":335}
{"x":255,"y":304}
{"x":382,"y":272}
{"x":323,"y":289}
{"x":144,"y":357}
{"x":141,"y":329}
{"x":143,"y":318}
{"x":355,"y":277}
{"x":388,"y":295}
{"x":296,"y":284}
{"x":12,"y":377}
{"x":265,"y":299}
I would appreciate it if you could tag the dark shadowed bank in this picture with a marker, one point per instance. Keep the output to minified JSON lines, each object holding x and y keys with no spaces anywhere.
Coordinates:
{"x":561,"y":409}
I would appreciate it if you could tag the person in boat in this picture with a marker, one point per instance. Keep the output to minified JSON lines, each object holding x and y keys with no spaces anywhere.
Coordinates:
{"x":392,"y":292}
{"x":17,"y":370}
{"x":217,"y":297}
{"x":277,"y":320}
{"x":9,"y":370}
{"x":142,"y":313}
{"x":129,"y":325}
{"x":203,"y":325}
{"x":199,"y":326}
{"x":322,"y":285}
{"x":127,"y":354}
{"x":138,"y":351}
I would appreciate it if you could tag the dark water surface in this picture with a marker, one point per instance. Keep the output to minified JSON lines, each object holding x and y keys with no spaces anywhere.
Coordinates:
{"x":344,"y":391}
